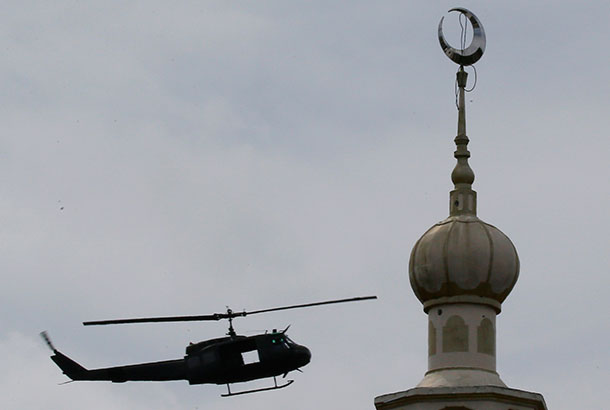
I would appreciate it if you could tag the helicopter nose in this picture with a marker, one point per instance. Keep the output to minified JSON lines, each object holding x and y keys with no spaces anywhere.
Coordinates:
{"x":304,"y":355}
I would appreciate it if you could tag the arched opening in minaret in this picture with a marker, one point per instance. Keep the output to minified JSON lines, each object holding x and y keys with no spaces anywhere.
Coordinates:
{"x":455,"y":335}
{"x":486,"y":337}
{"x":431,"y":339}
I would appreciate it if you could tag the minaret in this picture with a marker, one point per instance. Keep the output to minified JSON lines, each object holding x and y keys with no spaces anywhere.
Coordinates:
{"x":462,"y":269}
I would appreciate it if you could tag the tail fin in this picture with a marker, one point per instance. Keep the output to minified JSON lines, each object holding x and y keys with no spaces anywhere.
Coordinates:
{"x":70,"y":368}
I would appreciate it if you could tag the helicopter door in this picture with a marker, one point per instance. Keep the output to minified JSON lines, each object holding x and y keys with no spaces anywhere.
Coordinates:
{"x":241,"y":352}
{"x":208,"y":357}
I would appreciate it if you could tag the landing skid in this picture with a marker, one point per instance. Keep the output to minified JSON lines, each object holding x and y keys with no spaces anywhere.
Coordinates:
{"x":275,"y":387}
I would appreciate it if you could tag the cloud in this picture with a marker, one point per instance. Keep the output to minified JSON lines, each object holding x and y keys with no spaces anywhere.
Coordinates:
{"x":160,"y":160}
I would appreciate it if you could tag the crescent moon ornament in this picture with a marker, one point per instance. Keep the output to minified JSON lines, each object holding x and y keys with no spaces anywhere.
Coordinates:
{"x":475,"y":50}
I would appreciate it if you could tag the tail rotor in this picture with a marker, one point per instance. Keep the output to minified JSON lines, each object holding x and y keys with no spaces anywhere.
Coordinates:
{"x":47,"y":339}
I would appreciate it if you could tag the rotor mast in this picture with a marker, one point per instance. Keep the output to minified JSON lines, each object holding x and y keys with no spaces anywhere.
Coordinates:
{"x":230,"y":316}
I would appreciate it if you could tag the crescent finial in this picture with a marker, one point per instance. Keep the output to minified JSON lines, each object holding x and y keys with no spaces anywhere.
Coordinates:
{"x":475,"y":50}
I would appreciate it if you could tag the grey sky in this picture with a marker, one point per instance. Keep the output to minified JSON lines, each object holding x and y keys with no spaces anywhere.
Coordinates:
{"x":257,"y":154}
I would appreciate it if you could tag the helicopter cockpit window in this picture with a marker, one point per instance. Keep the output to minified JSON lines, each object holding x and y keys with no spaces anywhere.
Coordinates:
{"x":282,"y":341}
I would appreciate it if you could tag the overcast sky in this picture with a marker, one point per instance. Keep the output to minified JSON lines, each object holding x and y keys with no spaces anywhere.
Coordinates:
{"x":172,"y":158}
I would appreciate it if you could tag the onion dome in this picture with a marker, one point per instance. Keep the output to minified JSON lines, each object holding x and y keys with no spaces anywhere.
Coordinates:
{"x":463,"y":256}
{"x":463,"y":259}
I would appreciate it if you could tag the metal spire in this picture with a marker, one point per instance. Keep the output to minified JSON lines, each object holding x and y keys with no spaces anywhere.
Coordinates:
{"x":462,"y":175}
{"x":463,"y":200}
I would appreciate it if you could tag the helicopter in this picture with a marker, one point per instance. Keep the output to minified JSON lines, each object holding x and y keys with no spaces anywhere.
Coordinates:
{"x":225,"y":360}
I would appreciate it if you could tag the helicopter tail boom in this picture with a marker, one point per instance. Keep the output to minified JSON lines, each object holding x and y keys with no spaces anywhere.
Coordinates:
{"x":155,"y":371}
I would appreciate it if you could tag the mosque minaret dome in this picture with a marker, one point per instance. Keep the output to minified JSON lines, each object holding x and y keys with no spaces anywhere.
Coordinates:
{"x":463,"y":256}
{"x":461,"y":270}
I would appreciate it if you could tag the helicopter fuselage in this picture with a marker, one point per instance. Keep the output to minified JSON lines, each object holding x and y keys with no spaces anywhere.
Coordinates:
{"x":241,"y":358}
{"x":225,"y":360}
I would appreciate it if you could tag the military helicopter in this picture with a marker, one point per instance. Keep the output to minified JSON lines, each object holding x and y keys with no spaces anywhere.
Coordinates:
{"x":224,"y":360}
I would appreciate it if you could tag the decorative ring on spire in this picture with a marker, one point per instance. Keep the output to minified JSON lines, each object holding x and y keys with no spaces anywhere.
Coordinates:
{"x":475,"y":50}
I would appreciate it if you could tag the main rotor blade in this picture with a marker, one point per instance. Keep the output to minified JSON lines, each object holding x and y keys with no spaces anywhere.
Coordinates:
{"x":329,"y":302}
{"x":216,"y":316}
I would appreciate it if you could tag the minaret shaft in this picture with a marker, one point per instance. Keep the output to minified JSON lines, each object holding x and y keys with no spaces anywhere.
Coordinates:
{"x":461,"y":346}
